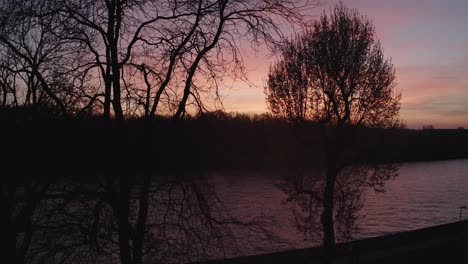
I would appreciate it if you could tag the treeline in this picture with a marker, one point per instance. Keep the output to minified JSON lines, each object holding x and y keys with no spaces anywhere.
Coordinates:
{"x":213,"y":141}
{"x":428,"y":145}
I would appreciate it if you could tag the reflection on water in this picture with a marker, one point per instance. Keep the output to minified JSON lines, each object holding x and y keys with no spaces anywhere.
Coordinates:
{"x":424,"y":194}
{"x":179,"y":218}
{"x":250,"y":194}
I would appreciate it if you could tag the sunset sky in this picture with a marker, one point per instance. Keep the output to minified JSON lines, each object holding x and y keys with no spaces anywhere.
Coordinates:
{"x":427,"y":41}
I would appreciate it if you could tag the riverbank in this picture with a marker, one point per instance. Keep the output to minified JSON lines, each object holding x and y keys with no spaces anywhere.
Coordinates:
{"x":438,"y":244}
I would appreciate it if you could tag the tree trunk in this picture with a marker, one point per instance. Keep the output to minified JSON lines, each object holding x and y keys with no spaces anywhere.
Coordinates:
{"x":112,"y":53}
{"x":4,"y":95}
{"x":118,"y":190}
{"x":124,"y":237}
{"x":148,"y":90}
{"x":116,"y":102}
{"x":334,"y":141}
{"x":141,"y":221}
{"x":120,"y":204}
{"x":107,"y":96}
{"x":33,"y":90}
{"x":327,"y":214}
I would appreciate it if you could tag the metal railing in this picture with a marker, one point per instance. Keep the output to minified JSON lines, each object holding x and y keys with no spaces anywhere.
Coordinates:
{"x":461,"y":211}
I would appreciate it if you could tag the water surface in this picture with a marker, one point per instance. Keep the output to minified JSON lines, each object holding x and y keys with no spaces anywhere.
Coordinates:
{"x":424,"y":194}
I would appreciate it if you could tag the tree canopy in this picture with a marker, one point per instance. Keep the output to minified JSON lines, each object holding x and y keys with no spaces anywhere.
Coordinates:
{"x":335,"y":73}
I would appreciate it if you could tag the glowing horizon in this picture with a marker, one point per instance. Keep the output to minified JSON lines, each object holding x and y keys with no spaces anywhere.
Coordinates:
{"x":428,"y":45}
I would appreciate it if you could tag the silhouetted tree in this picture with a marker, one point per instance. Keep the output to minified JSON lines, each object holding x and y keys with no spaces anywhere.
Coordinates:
{"x":43,"y":62}
{"x":181,"y":48}
{"x":335,"y":74}
{"x":8,"y":86}
{"x":27,"y":40}
{"x":158,"y":56}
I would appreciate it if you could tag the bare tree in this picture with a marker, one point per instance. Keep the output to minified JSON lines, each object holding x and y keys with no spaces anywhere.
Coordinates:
{"x":43,"y":61}
{"x":141,"y":57}
{"x":8,"y":83}
{"x":30,"y":41}
{"x":181,"y":48}
{"x":343,"y":80}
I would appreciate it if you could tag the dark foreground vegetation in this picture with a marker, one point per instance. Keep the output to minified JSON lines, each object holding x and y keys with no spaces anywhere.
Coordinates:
{"x":438,"y":244}
{"x":78,"y":191}
{"x":214,"y":141}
